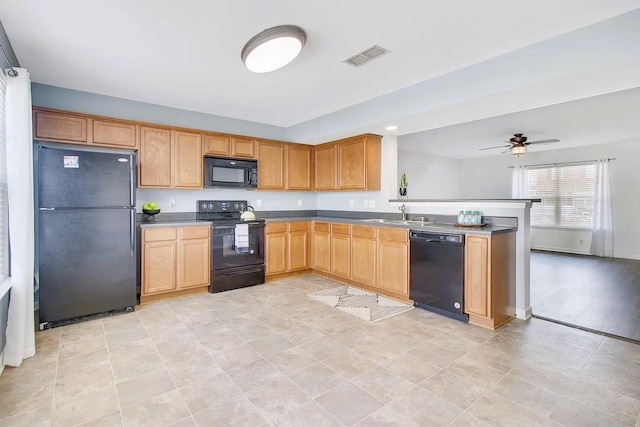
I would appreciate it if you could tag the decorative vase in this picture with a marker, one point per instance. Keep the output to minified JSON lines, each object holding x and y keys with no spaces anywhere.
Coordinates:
{"x":403,"y":193}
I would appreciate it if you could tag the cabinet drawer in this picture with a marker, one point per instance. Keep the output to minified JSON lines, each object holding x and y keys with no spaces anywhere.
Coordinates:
{"x":393,"y":234}
{"x":322,"y":227}
{"x":196,"y":232}
{"x":344,"y":229}
{"x":158,"y":234}
{"x":298,"y":226}
{"x":276,"y":227}
{"x":363,"y":231}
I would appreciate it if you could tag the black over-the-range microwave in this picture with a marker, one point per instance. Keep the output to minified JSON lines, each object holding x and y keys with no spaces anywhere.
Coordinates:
{"x":230,"y":173}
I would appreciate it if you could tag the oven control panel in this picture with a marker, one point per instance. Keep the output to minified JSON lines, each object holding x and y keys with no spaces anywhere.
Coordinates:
{"x":220,"y":206}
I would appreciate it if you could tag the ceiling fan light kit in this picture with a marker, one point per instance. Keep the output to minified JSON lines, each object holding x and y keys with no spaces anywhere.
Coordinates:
{"x":273,"y":48}
{"x":519,"y":144}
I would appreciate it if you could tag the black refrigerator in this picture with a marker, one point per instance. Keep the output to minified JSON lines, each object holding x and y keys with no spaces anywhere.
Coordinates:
{"x":85,"y":228}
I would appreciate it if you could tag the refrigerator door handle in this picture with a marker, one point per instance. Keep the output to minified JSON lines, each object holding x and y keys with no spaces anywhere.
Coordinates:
{"x":132,"y":233}
{"x":47,"y":209}
{"x":132,"y":171}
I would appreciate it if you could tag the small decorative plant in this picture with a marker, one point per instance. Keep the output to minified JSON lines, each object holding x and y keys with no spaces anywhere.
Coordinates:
{"x":403,"y":186}
{"x":403,"y":181}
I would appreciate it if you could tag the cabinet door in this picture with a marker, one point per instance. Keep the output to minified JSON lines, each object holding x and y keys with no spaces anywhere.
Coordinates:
{"x":154,"y":158}
{"x":476,"y":276}
{"x":321,"y":247}
{"x":194,"y":263}
{"x":270,"y":166}
{"x":299,"y":165}
{"x":60,"y":127}
{"x":352,"y":165}
{"x":325,"y":167}
{"x":393,"y":266}
{"x":159,"y":267}
{"x":276,"y":253}
{"x":298,"y":246}
{"x":340,"y":255}
{"x":216,"y":144}
{"x":188,"y":160}
{"x":363,"y":260}
{"x":115,"y":134}
{"x":243,"y":147}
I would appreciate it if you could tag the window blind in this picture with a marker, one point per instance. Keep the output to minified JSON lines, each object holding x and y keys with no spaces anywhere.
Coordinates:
{"x":4,"y":206}
{"x":567,"y":194}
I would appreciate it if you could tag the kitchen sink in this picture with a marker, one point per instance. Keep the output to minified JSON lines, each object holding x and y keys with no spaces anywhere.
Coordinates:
{"x":397,"y":221}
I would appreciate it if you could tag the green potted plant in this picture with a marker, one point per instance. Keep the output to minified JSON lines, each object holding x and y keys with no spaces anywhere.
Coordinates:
{"x":403,"y":185}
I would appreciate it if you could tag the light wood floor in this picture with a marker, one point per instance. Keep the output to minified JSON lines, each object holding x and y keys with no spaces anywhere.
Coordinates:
{"x":602,"y":294}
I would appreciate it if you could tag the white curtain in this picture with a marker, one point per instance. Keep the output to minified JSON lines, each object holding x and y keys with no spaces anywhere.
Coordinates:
{"x":20,"y":326}
{"x":602,"y":230}
{"x":519,"y":182}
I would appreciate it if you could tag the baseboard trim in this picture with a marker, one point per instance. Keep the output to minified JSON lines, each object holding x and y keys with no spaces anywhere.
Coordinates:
{"x":523,"y":314}
{"x":562,"y":250}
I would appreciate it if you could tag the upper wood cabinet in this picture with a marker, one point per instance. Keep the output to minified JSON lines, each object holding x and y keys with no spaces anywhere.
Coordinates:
{"x":115,"y":134}
{"x":489,"y":279}
{"x":60,"y":127}
{"x":299,"y":167}
{"x":243,"y":147}
{"x":359,"y":163}
{"x":270,"y":165}
{"x":218,"y":145}
{"x":229,"y":146}
{"x":155,"y":160}
{"x":326,"y":177}
{"x":187,"y":149}
{"x":349,"y":164}
{"x":74,"y":128}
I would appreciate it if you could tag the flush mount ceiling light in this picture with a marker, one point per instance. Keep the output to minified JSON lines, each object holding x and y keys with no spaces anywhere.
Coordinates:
{"x":273,"y":48}
{"x":518,"y":150}
{"x":391,"y":127}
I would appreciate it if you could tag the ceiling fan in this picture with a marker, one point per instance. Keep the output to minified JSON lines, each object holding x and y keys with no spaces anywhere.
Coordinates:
{"x":518,"y":144}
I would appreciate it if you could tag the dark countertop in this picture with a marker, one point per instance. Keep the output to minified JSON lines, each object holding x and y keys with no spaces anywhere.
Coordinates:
{"x":466,"y":200}
{"x":413,"y":225}
{"x":172,"y":223}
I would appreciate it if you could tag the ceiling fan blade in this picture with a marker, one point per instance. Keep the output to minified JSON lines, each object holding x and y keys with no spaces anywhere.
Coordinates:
{"x":542,"y":141}
{"x":507,"y":150}
{"x":491,"y":148}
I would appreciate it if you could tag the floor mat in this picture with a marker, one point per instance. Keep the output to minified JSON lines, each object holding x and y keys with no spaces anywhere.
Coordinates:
{"x":365,"y":305}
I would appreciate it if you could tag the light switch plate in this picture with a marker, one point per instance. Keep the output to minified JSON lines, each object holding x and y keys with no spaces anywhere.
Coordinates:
{"x":299,"y":202}
{"x":172,"y":203}
{"x":372,"y":203}
{"x":351,"y":203}
{"x":259,"y":203}
{"x":366,"y":203}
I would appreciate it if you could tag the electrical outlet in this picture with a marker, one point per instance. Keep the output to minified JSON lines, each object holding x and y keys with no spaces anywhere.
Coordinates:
{"x":351,"y":203}
{"x":259,"y":203}
{"x":299,"y":202}
{"x":172,"y":203}
{"x":366,"y":203}
{"x":581,"y":242}
{"x":372,"y":203}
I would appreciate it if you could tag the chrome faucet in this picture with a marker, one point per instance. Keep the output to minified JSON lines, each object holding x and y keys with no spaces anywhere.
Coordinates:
{"x":403,"y":208}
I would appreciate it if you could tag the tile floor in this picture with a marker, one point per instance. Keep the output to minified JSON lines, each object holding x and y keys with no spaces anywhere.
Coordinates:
{"x":271,"y":356}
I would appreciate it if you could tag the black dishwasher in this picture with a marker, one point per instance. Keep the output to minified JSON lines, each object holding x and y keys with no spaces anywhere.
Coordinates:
{"x":436,"y":273}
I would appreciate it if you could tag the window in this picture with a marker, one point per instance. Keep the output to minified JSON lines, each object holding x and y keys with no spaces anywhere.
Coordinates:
{"x":4,"y":206}
{"x":567,"y":193}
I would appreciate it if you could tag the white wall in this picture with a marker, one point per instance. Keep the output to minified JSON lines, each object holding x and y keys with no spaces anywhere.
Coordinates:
{"x":490,"y":177}
{"x":430,"y":177}
{"x":186,"y":199}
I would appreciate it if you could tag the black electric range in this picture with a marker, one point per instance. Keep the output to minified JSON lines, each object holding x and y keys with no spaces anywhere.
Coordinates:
{"x":237,"y":245}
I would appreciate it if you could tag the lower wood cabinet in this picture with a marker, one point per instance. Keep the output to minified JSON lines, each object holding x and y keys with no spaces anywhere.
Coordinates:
{"x":287,"y":247}
{"x":321,"y":253}
{"x":341,"y":250}
{"x":364,"y":254}
{"x":489,"y":277}
{"x":393,"y":261}
{"x":174,"y":259}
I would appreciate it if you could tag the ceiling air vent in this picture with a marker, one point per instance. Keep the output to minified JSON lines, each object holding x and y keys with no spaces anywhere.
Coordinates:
{"x":365,"y":55}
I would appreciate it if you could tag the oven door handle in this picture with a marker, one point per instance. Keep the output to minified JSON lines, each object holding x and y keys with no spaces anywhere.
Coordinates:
{"x":222,"y":226}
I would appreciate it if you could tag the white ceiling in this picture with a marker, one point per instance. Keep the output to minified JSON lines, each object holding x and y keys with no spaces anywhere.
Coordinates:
{"x":450,"y":63}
